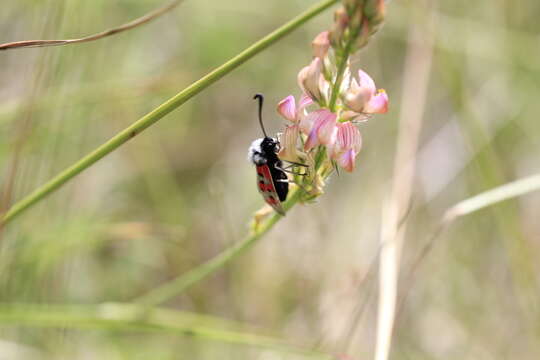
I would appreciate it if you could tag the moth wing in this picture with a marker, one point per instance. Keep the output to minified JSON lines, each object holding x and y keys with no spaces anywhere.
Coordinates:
{"x":267,"y":188}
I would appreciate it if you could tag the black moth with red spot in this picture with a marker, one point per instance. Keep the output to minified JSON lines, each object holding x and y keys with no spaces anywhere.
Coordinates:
{"x":272,"y":181}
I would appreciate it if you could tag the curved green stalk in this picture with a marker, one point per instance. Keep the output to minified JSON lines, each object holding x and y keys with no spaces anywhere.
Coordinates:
{"x":174,"y":287}
{"x":133,"y":317}
{"x":162,"y":110}
{"x":181,"y":283}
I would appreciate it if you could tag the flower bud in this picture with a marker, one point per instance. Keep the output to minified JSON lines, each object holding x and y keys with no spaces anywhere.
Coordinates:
{"x":350,"y":5}
{"x":341,"y":20}
{"x":320,"y":44}
{"x":374,"y":11}
{"x":363,"y":36}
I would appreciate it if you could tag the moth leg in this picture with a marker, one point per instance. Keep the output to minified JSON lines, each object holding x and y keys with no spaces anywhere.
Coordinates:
{"x":288,"y":170}
{"x":295,"y":163}
{"x":292,"y":165}
{"x":336,"y":169}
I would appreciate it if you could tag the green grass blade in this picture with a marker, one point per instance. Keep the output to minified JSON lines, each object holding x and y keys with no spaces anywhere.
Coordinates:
{"x":131,"y":317}
{"x":494,"y":196}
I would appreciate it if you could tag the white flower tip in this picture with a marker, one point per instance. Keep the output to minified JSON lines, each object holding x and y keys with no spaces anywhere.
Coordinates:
{"x":356,"y":98}
{"x":288,"y":144}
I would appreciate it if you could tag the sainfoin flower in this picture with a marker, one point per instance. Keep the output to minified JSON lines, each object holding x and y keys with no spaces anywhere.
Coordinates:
{"x":312,"y":82}
{"x":347,"y":145}
{"x":362,"y":97}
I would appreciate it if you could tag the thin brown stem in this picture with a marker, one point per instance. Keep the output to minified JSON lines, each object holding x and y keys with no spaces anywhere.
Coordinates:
{"x":124,"y":27}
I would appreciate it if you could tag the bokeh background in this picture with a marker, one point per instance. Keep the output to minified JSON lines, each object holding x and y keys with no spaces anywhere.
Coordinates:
{"x":182,"y":191}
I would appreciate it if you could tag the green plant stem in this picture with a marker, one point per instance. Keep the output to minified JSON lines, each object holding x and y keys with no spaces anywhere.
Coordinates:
{"x":133,"y":317}
{"x":162,"y":110}
{"x":339,"y":77}
{"x":342,"y":60}
{"x":176,"y":286}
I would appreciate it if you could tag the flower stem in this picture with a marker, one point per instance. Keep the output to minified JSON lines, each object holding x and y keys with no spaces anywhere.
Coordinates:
{"x":342,"y":59}
{"x":162,"y":110}
{"x":339,"y":77}
{"x":176,"y":286}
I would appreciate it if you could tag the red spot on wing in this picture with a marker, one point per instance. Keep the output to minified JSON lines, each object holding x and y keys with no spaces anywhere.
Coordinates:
{"x":271,"y":200}
{"x":268,"y":184}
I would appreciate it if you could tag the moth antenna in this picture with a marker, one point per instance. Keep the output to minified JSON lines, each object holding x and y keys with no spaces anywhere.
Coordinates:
{"x":261,"y":100}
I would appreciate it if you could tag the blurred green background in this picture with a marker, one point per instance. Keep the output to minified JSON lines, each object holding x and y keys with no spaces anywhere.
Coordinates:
{"x":181,"y":192}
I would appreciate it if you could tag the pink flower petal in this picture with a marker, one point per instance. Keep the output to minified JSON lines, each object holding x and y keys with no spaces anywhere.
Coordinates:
{"x":312,"y":140}
{"x":302,"y":78}
{"x":378,"y":104}
{"x":365,"y":81}
{"x":356,"y":99}
{"x":352,"y":116}
{"x":287,"y":108}
{"x":307,"y":123}
{"x":312,"y":124}
{"x":327,"y":130}
{"x":349,"y":136}
{"x":309,"y":78}
{"x":347,"y":160}
{"x":304,"y":102}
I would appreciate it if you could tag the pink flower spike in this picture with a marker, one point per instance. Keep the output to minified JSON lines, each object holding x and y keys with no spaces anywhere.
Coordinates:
{"x":378,"y":104}
{"x":365,"y":81}
{"x":321,"y":44}
{"x":287,"y":108}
